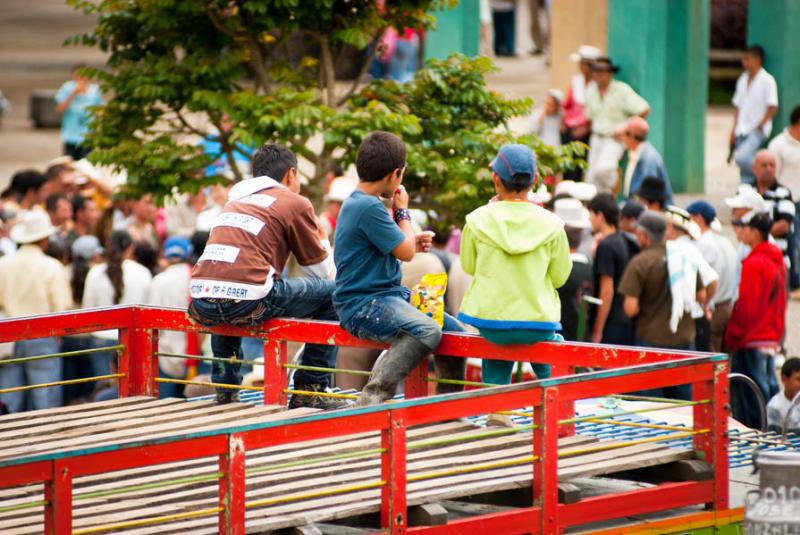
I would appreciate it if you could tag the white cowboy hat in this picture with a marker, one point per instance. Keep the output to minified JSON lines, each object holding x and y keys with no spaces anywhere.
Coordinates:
{"x":585,"y":53}
{"x":681,"y":219}
{"x":572,"y":212}
{"x":583,"y":191}
{"x":33,"y":225}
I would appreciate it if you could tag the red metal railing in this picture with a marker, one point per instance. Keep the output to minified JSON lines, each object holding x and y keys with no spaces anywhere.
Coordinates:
{"x":626,"y":370}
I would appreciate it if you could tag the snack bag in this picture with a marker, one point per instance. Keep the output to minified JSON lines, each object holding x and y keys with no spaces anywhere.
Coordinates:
{"x":428,"y":296}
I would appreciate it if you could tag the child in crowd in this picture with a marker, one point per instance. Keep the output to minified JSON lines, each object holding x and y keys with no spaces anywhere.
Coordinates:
{"x":369,"y":298}
{"x":518,"y":254}
{"x":547,"y":122}
{"x":782,"y":402}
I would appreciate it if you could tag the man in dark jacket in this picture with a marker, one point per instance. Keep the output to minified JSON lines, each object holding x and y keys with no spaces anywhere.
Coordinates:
{"x":757,"y":323}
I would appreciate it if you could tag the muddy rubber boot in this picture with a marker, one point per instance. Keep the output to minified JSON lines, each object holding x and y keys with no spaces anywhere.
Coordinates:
{"x":449,"y":368}
{"x":394,"y":366}
{"x":317,"y":402}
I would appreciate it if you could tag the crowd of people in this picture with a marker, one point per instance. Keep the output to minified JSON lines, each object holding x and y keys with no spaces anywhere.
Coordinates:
{"x":608,"y":259}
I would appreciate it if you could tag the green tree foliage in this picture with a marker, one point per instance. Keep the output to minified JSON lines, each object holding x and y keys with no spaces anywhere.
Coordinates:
{"x":270,"y":66}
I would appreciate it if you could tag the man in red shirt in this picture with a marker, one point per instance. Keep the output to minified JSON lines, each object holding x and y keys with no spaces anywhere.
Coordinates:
{"x":757,"y":323}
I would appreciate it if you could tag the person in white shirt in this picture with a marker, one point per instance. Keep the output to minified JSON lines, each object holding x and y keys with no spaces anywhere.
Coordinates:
{"x":547,"y":122}
{"x":756,"y":101}
{"x":719,"y":252}
{"x":32,"y":283}
{"x":783,"y":410}
{"x":170,"y":288}
{"x":117,"y":281}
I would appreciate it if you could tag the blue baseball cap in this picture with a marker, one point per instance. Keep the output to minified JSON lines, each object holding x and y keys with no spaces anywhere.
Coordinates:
{"x":515,"y":159}
{"x":703,"y":209}
{"x":177,"y":246}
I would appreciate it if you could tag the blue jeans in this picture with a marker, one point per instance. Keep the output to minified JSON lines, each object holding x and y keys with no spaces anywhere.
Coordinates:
{"x":682,"y":392}
{"x":31,"y":373}
{"x":297,"y":298}
{"x":746,"y":148}
{"x":498,"y":372}
{"x":384,"y":318}
{"x":760,"y":367}
{"x":794,"y":249}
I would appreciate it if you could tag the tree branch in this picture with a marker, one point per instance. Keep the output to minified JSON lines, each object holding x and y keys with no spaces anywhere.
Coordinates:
{"x":188,"y":126}
{"x":328,"y":69}
{"x":373,"y":52}
{"x":224,"y":142}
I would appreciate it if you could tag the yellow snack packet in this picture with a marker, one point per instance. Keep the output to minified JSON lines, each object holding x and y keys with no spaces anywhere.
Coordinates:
{"x":428,"y":296}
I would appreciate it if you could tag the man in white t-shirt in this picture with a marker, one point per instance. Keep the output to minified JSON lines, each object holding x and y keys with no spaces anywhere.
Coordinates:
{"x":756,"y":101}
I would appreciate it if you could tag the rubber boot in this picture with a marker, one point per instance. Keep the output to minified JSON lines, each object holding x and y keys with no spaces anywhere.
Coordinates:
{"x":394,"y":366}
{"x":316,"y":402}
{"x":449,"y":368}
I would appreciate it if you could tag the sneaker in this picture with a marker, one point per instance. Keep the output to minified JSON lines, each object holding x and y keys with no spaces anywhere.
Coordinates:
{"x":317,"y":402}
{"x":225,"y":396}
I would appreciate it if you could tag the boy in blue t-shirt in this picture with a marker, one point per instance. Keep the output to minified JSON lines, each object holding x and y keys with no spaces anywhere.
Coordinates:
{"x":369,"y":298}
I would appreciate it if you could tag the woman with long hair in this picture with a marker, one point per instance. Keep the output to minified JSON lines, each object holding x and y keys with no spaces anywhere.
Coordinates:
{"x":85,"y":253}
{"x":117,"y":281}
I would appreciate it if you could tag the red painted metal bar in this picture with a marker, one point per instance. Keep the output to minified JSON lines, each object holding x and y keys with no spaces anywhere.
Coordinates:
{"x":415,"y":384}
{"x":515,"y":522}
{"x":58,"y":495}
{"x":549,"y":490}
{"x":66,"y":323}
{"x":232,"y":487}
{"x":25,"y":474}
{"x":566,"y":409}
{"x":393,"y":474}
{"x":719,"y":426}
{"x":659,"y":498}
{"x":144,"y":455}
{"x":455,"y":344}
{"x":275,"y":376}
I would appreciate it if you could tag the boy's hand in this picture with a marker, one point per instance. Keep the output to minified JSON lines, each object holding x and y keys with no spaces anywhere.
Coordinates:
{"x":400,"y":199}
{"x":424,"y":241}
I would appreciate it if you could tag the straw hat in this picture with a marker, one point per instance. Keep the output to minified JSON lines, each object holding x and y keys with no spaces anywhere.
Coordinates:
{"x":34,"y":225}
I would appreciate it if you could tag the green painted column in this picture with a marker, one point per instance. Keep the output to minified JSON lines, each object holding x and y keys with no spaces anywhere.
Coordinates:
{"x":662,"y":48}
{"x":457,"y":30}
{"x":775,"y":25}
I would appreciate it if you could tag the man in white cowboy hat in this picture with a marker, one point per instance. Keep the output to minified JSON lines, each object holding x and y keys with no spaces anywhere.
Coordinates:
{"x":574,"y":114}
{"x":581,"y":278}
{"x":32,"y":283}
{"x":609,"y":103}
{"x":341,"y":188}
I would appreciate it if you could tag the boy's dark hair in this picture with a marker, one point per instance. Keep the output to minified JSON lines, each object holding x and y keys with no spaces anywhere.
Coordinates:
{"x":790,"y":367}
{"x":606,"y":204}
{"x":757,"y":51}
{"x":574,"y":236}
{"x":519,"y":182}
{"x":379,"y":155}
{"x":51,"y":202}
{"x":794,"y":117}
{"x":274,"y":161}
{"x":27,"y":180}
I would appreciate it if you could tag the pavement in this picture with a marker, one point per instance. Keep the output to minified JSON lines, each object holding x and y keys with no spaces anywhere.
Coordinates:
{"x":32,"y":57}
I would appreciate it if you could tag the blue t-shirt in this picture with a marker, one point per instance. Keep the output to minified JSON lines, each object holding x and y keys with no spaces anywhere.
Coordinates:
{"x":365,"y":267}
{"x":75,"y":121}
{"x":220,"y":166}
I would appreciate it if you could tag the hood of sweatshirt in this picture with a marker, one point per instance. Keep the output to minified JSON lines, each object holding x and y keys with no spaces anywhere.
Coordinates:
{"x":514,"y":227}
{"x":770,"y":252}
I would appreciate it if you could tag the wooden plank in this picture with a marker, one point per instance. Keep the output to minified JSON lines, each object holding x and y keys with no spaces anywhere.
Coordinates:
{"x":67,"y":410}
{"x":91,"y":426}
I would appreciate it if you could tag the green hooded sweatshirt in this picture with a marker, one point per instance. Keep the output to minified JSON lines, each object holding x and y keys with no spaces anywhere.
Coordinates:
{"x":518,"y":254}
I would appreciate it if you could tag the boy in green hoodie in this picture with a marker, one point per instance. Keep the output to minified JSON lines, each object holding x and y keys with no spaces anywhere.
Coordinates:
{"x":518,"y":254}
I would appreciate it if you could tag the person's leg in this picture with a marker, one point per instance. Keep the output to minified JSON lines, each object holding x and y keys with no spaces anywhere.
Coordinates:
{"x":618,"y":334}
{"x":703,"y":334}
{"x":605,"y":175}
{"x":719,"y":321}
{"x":413,"y":335}
{"x":743,"y":154}
{"x":535,"y":7}
{"x":12,"y":376}
{"x":447,"y":367}
{"x":43,"y":371}
{"x":754,"y":364}
{"x":252,"y":348}
{"x":307,"y":298}
{"x":76,"y":368}
{"x":496,"y":372}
